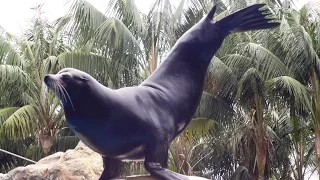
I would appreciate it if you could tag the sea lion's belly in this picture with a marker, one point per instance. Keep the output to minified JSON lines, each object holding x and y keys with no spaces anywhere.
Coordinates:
{"x":111,"y":139}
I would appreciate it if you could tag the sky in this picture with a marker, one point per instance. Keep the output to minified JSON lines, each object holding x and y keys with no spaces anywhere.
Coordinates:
{"x":15,"y":14}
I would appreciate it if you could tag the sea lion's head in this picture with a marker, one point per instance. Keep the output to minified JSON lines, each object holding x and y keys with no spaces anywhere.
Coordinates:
{"x":68,"y":84}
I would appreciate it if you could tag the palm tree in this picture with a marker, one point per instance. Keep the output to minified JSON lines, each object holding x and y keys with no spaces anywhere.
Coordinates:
{"x":30,"y":114}
{"x":305,"y":36}
{"x":298,"y":44}
{"x":252,"y":77}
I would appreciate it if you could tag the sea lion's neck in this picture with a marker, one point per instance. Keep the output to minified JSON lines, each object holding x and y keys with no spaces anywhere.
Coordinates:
{"x":90,"y":100}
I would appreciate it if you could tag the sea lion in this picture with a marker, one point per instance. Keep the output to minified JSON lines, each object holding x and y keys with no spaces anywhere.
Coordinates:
{"x":135,"y":123}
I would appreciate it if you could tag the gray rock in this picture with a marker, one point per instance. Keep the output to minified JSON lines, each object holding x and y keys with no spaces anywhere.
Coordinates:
{"x":80,"y":163}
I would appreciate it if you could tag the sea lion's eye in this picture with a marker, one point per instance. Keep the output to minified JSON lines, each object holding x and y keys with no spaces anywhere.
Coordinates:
{"x":83,"y":78}
{"x":65,"y":76}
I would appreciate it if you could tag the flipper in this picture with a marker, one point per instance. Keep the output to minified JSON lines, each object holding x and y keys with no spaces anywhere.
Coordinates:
{"x":113,"y":168}
{"x":156,"y":162}
{"x":251,"y":18}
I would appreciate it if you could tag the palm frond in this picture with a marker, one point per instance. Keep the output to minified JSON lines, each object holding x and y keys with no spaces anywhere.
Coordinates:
{"x":185,"y":18}
{"x":160,"y":32}
{"x":266,"y":62}
{"x":95,"y":65}
{"x":9,"y":162}
{"x":20,"y":123}
{"x":241,"y":173}
{"x":298,"y":45}
{"x":64,"y":143}
{"x":10,"y":74}
{"x":128,"y":13}
{"x":313,"y":10}
{"x":224,"y":81}
{"x":179,"y":11}
{"x":116,"y":37}
{"x":85,"y":19}
{"x":9,"y":56}
{"x":239,"y":64}
{"x":199,"y":128}
{"x":294,"y":88}
{"x":213,"y":108}
{"x":5,"y":113}
{"x":251,"y":83}
{"x":232,"y":44}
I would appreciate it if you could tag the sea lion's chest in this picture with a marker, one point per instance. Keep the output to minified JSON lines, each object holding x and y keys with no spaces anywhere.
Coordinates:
{"x":106,"y":136}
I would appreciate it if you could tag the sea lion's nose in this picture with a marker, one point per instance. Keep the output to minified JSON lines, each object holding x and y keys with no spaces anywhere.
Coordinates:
{"x":46,"y":78}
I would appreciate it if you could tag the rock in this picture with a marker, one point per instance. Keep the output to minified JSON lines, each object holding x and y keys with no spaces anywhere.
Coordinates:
{"x":80,"y":163}
{"x":148,"y":177}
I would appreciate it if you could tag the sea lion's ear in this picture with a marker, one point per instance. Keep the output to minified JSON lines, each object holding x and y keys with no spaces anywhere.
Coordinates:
{"x":211,"y":13}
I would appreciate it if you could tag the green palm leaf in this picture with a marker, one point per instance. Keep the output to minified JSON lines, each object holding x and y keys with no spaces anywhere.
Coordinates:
{"x":10,"y":74}
{"x":5,"y":113}
{"x":128,"y":13}
{"x":184,"y":19}
{"x":95,"y":65}
{"x":251,"y":83}
{"x":199,"y":128}
{"x":266,"y":62}
{"x":224,"y":80}
{"x":159,"y":37}
{"x":213,"y":108}
{"x":297,"y":44}
{"x":85,"y":19}
{"x":64,"y":143}
{"x":116,"y":37}
{"x":239,"y":64}
{"x":9,"y":56}
{"x":294,"y":88}
{"x":20,"y":123}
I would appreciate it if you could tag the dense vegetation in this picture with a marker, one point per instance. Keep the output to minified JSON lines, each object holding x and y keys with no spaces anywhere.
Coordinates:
{"x":259,"y":117}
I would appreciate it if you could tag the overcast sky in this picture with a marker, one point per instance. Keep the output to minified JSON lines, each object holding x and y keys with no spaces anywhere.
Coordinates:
{"x":15,"y":14}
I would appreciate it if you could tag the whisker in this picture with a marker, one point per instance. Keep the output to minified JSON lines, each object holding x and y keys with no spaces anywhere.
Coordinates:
{"x":57,"y":90}
{"x":62,"y":93}
{"x":65,"y":91}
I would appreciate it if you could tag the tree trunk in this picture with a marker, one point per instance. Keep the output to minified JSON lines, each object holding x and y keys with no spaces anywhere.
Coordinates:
{"x":300,"y":160}
{"x":316,"y":110}
{"x":262,"y":157}
{"x":297,"y":139}
{"x":261,"y":138}
{"x":46,"y":141}
{"x":317,"y":142}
